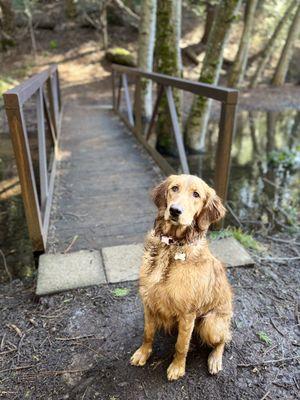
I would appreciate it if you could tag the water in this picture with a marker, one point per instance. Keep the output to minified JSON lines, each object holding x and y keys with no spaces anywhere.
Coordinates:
{"x":264,"y":188}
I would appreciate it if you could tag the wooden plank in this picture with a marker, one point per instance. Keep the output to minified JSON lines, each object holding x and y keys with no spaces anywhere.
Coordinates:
{"x":26,"y":175}
{"x":176,"y":130}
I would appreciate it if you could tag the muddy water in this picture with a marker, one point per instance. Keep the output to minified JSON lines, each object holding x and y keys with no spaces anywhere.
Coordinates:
{"x":264,"y":187}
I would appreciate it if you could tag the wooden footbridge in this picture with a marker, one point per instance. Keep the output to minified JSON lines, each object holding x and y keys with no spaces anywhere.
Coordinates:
{"x":93,"y":190}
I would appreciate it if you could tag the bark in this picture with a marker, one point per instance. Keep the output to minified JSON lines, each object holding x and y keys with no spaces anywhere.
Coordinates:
{"x":285,"y":58}
{"x":168,"y":61}
{"x":269,"y":48}
{"x":103,"y":23}
{"x":8,"y":17}
{"x":210,"y":16}
{"x":198,"y":117}
{"x":238,"y":69}
{"x":146,"y":51}
{"x":71,"y":9}
{"x":28,"y":13}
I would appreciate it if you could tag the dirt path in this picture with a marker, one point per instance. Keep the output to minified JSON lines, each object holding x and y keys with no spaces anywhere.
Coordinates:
{"x":77,"y":345}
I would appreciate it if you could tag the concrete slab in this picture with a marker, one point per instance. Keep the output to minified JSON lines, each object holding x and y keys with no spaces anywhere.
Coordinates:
{"x":59,"y":272}
{"x":230,"y":252}
{"x":122,"y":263}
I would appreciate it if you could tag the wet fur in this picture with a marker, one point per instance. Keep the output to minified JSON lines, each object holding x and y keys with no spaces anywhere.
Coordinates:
{"x":192,"y":295}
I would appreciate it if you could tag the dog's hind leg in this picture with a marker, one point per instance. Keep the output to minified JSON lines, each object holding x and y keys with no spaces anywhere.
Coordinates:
{"x":142,"y":354}
{"x":214,"y":331}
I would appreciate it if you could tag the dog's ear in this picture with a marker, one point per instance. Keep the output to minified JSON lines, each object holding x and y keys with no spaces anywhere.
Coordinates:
{"x":159,"y":194}
{"x":212,"y":211}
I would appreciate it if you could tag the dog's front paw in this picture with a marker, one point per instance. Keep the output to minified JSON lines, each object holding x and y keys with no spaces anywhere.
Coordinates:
{"x":214,"y":363}
{"x":175,"y":371}
{"x":140,"y":357}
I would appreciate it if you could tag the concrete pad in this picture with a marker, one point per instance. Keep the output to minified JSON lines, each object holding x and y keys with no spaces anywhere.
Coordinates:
{"x":122,"y":263}
{"x":230,"y":252}
{"x":58,"y":272}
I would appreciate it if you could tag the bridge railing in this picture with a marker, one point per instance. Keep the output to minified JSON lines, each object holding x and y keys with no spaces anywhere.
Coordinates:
{"x":37,"y":193}
{"x":133,"y":119}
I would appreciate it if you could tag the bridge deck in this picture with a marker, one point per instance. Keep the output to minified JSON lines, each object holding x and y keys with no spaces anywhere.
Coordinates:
{"x":103,"y":179}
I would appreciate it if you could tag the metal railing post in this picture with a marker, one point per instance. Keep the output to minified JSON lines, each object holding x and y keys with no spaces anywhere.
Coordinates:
{"x":138,"y":105}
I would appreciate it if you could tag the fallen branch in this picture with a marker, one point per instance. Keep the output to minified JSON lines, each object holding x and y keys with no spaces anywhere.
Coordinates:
{"x":17,"y":368}
{"x":268,"y":362}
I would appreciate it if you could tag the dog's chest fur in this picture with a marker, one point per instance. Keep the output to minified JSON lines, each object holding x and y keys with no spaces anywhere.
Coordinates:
{"x":171,"y":287}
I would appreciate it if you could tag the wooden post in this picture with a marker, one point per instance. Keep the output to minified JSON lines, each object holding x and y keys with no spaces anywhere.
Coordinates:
{"x":52,"y":105}
{"x":127,"y":99}
{"x":25,"y":170}
{"x":155,"y":111}
{"x":176,"y":130}
{"x":113,"y":75}
{"x":226,"y":130}
{"x":138,"y":105}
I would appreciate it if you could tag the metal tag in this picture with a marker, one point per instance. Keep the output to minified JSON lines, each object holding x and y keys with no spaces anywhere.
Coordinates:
{"x":180,"y":256}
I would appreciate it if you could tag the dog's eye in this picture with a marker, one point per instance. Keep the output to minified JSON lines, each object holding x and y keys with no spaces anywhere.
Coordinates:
{"x":174,"y":188}
{"x":196,"y":194}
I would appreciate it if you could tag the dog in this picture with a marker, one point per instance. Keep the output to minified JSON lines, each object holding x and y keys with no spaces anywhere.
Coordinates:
{"x":181,"y":283}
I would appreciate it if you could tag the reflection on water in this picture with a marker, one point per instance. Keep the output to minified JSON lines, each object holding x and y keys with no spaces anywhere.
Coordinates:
{"x":264,"y":188}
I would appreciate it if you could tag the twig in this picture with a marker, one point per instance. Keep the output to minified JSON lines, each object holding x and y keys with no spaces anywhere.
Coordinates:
{"x":71,"y":244}
{"x":268,"y":362}
{"x":5,"y":266}
{"x":74,"y":338}
{"x":7,"y":352}
{"x":283,"y":241}
{"x":275,"y":327}
{"x":64,"y":371}
{"x":265,"y":395}
{"x":17,"y":368}
{"x":2,"y":342}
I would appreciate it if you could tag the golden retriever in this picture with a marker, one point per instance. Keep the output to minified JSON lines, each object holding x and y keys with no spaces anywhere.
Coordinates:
{"x":181,"y":284}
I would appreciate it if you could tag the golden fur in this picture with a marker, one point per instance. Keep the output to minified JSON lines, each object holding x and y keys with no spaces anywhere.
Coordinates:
{"x":192,"y":294}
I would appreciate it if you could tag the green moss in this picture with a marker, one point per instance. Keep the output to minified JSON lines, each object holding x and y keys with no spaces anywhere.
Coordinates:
{"x":246,"y":239}
{"x":119,"y":55}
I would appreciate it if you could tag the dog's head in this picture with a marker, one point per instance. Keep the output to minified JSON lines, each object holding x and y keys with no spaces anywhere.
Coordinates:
{"x":186,"y":200}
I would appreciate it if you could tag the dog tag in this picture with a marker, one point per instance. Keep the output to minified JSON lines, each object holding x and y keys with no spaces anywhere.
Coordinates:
{"x":180,"y":256}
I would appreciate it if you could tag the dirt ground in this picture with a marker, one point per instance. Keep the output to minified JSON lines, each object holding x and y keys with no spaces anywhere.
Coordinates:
{"x":77,"y":345}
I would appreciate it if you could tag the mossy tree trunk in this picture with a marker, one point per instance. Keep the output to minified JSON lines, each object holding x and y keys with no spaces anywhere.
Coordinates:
{"x":209,"y":19}
{"x":146,"y":51}
{"x":198,"y":117}
{"x":7,"y":24}
{"x":237,"y":72}
{"x":285,"y":58}
{"x":269,"y":48}
{"x":71,"y":9}
{"x":168,"y":61}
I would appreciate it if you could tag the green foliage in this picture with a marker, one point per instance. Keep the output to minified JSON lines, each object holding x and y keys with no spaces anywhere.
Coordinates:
{"x":121,"y":292}
{"x":286,"y":158}
{"x":53,"y":44}
{"x":246,"y":239}
{"x":264,"y":337}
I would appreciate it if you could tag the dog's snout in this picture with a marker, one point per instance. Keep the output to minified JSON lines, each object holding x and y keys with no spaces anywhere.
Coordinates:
{"x":176,"y":210}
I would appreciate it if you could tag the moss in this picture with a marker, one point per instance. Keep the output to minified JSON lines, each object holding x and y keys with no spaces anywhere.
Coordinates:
{"x":119,"y":55}
{"x":246,"y":239}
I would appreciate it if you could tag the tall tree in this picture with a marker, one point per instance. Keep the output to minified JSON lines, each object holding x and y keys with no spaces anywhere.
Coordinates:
{"x":269,"y":47}
{"x":146,"y":50}
{"x":8,"y":17}
{"x":209,"y":19}
{"x":198,"y":117}
{"x":238,"y":69}
{"x":285,"y":58}
{"x":168,"y":61}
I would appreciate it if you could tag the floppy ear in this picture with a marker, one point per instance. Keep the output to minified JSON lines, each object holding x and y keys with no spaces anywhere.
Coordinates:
{"x":212,"y":212}
{"x":159,"y":193}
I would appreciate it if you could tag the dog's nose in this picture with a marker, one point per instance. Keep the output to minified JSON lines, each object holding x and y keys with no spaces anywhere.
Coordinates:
{"x":176,"y":210}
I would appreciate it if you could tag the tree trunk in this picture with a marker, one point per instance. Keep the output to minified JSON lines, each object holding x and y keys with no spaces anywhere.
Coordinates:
{"x":198,"y":117}
{"x":8,"y":17}
{"x":71,"y":9}
{"x":238,"y":69}
{"x":269,"y":48}
{"x":285,"y":58}
{"x":210,"y":16}
{"x":146,"y":52}
{"x":168,"y":61}
{"x":28,"y":13}
{"x":103,"y":23}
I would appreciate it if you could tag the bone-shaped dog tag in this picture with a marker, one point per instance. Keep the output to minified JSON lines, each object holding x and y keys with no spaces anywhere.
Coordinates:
{"x":180,"y":256}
